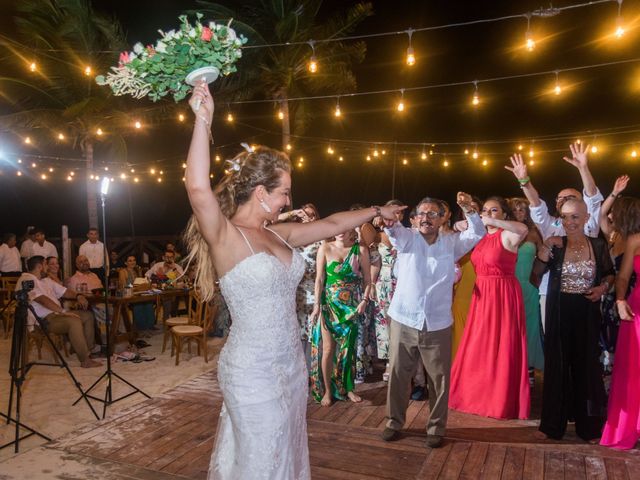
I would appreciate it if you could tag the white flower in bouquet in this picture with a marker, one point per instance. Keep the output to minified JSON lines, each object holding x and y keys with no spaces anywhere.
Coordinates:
{"x":161,"y":70}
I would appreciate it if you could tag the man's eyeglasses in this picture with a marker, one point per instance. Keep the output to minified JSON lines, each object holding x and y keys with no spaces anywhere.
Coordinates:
{"x":430,"y":214}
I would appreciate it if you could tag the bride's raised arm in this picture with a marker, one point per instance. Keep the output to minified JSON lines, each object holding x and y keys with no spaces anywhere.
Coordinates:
{"x":212,"y":223}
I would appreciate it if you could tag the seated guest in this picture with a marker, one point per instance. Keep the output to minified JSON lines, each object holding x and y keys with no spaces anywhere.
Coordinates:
{"x":53,"y":270}
{"x":10,"y":264}
{"x":143,"y":315}
{"x":27,"y":242}
{"x":94,"y":250}
{"x":170,"y":247}
{"x":84,"y":280}
{"x":114,"y":261}
{"x":41,"y":246}
{"x":128,"y":274}
{"x":166,"y":271}
{"x":44,"y":298}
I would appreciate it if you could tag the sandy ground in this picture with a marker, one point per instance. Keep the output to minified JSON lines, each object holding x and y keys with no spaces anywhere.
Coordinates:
{"x":48,"y":395}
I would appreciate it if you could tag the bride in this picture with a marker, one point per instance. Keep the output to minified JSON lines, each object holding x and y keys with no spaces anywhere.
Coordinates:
{"x":262,"y":430}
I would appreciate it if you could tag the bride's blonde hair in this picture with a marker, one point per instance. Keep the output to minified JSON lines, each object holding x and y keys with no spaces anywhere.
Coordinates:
{"x":247,"y":170}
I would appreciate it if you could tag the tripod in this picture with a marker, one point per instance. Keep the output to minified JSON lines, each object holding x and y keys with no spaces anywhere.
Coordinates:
{"x":109,"y":373}
{"x":19,"y":367}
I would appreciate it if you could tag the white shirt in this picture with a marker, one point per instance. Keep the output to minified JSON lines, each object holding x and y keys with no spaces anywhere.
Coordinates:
{"x":160,"y":268}
{"x":552,"y":226}
{"x":46,"y":250}
{"x":25,"y":248}
{"x":426,"y":273}
{"x":10,"y":259}
{"x":46,"y":287}
{"x":94,"y":252}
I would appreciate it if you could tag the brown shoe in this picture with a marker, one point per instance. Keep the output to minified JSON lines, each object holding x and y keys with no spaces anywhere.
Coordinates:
{"x":434,"y":441}
{"x":389,"y":434}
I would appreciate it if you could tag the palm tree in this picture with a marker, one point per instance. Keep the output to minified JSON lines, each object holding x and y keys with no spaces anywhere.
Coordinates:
{"x":64,"y":37}
{"x":282,"y":72}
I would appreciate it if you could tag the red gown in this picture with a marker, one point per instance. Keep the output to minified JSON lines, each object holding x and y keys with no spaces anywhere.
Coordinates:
{"x":489,"y":376}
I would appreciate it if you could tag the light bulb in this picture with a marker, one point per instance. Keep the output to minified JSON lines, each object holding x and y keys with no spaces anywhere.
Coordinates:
{"x":99,"y":132}
{"x":375,"y":153}
{"x":337,"y":111}
{"x":558,"y":89}
{"x":485,"y":163}
{"x":384,"y":152}
{"x":532,"y":162}
{"x":634,"y":154}
{"x":423,"y":156}
{"x":619,"y":31}
{"x":217,"y":158}
{"x":136,"y":179}
{"x":405,"y":161}
{"x":27,"y":140}
{"x":288,"y":147}
{"x":43,"y":176}
{"x":33,"y":66}
{"x":72,"y":173}
{"x":476,"y":99}
{"x":133,"y":170}
{"x":368,"y":158}
{"x":280,"y":114}
{"x":184,"y":165}
{"x":229,"y":117}
{"x":87,"y":71}
{"x":159,"y":180}
{"x":330,"y":150}
{"x":531,"y":153}
{"x":594,"y":149}
{"x":33,"y":165}
{"x":445,"y":163}
{"x":411,"y":57}
{"x":61,"y":136}
{"x":340,"y":159}
{"x":531,"y":44}
{"x":50,"y":169}
{"x":181,"y":117}
{"x":400,"y":106}
{"x":313,"y":64}
{"x":475,"y":155}
{"x":520,"y":147}
{"x":152,"y":171}
{"x":123,"y":176}
{"x":19,"y":173}
{"x":69,"y":177}
{"x":301,"y":159}
{"x":466,"y":151}
{"x":138,"y":125}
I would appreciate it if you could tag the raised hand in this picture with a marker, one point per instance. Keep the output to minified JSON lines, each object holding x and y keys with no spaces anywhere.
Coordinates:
{"x":578,"y":155}
{"x":518,"y":166}
{"x":620,"y":185}
{"x":464,"y":201}
{"x":202,"y":96}
{"x":389,"y":212}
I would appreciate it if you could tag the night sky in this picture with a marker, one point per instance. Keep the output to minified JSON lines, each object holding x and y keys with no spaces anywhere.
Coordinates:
{"x":514,"y":111}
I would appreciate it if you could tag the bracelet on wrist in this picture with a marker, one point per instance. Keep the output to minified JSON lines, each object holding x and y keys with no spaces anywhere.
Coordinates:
{"x":523,"y":181}
{"x":208,"y":124}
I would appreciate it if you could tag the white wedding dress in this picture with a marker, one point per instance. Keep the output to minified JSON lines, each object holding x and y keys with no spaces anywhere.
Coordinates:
{"x":262,"y":430}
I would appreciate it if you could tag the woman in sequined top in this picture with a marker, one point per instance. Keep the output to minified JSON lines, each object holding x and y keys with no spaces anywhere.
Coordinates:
{"x":580,"y":273}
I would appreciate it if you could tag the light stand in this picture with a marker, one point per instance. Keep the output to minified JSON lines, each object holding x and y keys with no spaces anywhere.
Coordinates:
{"x":108,"y":397}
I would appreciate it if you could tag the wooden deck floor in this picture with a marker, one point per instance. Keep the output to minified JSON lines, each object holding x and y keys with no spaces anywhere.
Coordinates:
{"x":173,"y":435}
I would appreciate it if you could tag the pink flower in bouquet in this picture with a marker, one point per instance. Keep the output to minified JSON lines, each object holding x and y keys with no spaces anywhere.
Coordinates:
{"x":150,"y":50}
{"x":206,"y":34}
{"x":124,"y":58}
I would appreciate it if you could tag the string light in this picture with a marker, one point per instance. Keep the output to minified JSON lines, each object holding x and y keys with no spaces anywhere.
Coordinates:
{"x":557,"y":90}
{"x":217,"y":158}
{"x":69,"y":178}
{"x":61,"y":136}
{"x":337,"y":112}
{"x":159,"y":180}
{"x":280,"y":115}
{"x":19,"y":173}
{"x":634,"y":153}
{"x":152,"y":171}
{"x":520,"y":147}
{"x":411,"y":57}
{"x":384,"y":152}
{"x":181,"y":117}
{"x":485,"y":162}
{"x":301,"y":160}
{"x":531,"y":152}
{"x":33,"y":66}
{"x":99,"y":132}
{"x":133,"y":170}
{"x":138,"y":125}
{"x":423,"y":155}
{"x":184,"y":165}
{"x":375,"y":152}
{"x":532,"y":162}
{"x":368,"y":158}
{"x":88,"y":71}
{"x":475,"y":101}
{"x":340,"y":159}
{"x":330,"y":150}
{"x":400,"y":106}
{"x":27,"y":140}
{"x":530,"y":43}
{"x":136,"y":179}
{"x":445,"y":163}
{"x":619,"y":27}
{"x":33,"y":164}
{"x":288,"y":147}
{"x":19,"y":160}
{"x":475,"y":155}
{"x":313,"y":63}
{"x":594,"y":149}
{"x":405,"y":161}
{"x":50,"y":169}
{"x":466,"y":151}
{"x":230,"y":117}
{"x":72,"y":173}
{"x":106,"y":169}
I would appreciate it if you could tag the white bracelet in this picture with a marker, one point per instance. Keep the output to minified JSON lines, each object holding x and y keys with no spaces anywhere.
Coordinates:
{"x":208,"y":126}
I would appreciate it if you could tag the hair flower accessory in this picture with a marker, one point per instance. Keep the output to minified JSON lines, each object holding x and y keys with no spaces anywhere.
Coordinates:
{"x":234,"y":165}
{"x":247,"y":147}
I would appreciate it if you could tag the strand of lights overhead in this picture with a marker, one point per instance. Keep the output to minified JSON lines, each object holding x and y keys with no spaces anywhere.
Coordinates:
{"x":539,"y":13}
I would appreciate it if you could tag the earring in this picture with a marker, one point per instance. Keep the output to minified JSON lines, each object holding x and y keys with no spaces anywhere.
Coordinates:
{"x":265,"y":207}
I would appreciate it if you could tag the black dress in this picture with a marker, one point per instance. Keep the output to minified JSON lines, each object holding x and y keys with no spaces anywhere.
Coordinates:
{"x":573,"y":388}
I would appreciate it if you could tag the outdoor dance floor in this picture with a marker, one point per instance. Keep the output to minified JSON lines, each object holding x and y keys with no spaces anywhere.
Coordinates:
{"x":171,"y":436}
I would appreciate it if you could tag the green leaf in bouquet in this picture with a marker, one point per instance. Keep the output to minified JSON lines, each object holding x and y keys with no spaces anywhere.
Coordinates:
{"x":100,"y":80}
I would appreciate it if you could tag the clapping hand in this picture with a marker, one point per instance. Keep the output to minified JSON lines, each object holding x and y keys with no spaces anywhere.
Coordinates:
{"x":518,"y":166}
{"x":578,"y":155}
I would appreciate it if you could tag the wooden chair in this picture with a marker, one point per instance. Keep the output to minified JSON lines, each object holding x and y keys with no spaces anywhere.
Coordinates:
{"x":196,"y":332}
{"x":193,"y":311}
{"x":36,"y":338}
{"x":7,"y":299}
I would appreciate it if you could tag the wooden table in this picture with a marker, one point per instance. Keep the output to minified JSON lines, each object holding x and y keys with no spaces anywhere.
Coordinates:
{"x":121,"y":311}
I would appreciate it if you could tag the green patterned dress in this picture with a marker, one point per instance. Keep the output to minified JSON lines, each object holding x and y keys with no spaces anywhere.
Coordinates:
{"x":338,"y":312}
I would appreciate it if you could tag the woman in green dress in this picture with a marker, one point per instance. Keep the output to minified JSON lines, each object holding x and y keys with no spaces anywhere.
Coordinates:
{"x":530,"y":294}
{"x":342,"y":292}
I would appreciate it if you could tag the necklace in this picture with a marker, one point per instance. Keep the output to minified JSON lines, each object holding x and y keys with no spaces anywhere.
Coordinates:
{"x":577,"y":249}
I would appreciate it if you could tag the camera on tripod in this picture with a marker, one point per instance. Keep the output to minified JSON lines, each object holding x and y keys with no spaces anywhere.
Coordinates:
{"x":22,"y":295}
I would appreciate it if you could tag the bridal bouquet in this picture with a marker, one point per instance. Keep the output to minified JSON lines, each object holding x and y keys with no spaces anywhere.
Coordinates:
{"x":162,"y":69}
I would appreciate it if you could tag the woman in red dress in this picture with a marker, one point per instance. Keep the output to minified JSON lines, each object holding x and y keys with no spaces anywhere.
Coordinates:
{"x":489,"y":376}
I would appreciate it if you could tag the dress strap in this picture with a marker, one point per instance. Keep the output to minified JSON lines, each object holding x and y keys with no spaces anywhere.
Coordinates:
{"x":245,"y":239}
{"x":277,"y":235}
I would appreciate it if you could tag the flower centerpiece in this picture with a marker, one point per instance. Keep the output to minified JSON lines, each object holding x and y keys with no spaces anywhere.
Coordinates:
{"x":178,"y":60}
